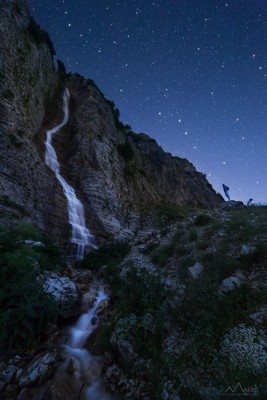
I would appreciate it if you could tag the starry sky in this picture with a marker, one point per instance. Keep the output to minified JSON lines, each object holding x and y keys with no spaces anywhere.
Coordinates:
{"x":190,"y":73}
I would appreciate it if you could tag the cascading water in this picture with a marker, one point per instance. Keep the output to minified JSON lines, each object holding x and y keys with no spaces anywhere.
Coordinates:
{"x":87,"y":367}
{"x":80,"y":236}
{"x":80,"y":375}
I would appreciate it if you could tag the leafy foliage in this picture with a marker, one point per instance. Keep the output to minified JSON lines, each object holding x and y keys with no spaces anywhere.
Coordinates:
{"x":108,"y":254}
{"x":126,"y":151}
{"x":25,"y":308}
{"x":170,"y":212}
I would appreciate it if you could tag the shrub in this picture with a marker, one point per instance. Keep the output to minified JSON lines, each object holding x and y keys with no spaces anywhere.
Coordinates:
{"x":161,"y":255}
{"x":25,"y":308}
{"x":8,"y":95}
{"x":106,"y":255}
{"x":138,"y":302}
{"x":168,"y":212}
{"x":202,"y":220}
{"x":6,"y":201}
{"x":126,"y":151}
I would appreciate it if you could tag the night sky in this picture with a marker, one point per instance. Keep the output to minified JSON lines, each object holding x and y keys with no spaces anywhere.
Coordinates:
{"x":190,"y":73}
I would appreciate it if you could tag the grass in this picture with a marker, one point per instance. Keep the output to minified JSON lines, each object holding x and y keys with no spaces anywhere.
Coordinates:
{"x":170,"y":212}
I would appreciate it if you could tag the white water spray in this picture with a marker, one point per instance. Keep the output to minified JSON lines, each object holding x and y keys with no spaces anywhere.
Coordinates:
{"x":80,"y":236}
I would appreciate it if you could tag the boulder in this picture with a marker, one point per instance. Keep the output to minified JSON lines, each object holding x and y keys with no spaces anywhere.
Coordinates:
{"x":196,"y":270}
{"x":62,"y":288}
{"x":40,"y":369}
{"x":8,"y":374}
{"x":229,"y":284}
{"x":246,"y":249}
{"x":231,"y":205}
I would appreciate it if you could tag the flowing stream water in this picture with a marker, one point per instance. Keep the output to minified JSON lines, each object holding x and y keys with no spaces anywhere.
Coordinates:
{"x":80,"y":235}
{"x":79,"y":377}
{"x":86,"y":368}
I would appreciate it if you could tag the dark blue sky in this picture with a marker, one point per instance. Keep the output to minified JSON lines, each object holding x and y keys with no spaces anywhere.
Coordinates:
{"x":190,"y":73}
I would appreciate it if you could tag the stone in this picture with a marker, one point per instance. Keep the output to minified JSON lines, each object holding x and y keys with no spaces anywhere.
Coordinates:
{"x":32,"y":243}
{"x":196,"y":270}
{"x":62,"y":288}
{"x":229,"y":284}
{"x":231,"y":205}
{"x":259,"y":316}
{"x":9,"y":373}
{"x":40,"y":369}
{"x":246,"y":249}
{"x":165,"y":395}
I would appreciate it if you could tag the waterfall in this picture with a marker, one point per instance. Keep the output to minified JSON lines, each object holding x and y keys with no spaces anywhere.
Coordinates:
{"x":80,"y":235}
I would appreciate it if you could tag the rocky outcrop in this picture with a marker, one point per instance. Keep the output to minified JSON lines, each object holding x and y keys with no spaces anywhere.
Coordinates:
{"x":117,"y":174}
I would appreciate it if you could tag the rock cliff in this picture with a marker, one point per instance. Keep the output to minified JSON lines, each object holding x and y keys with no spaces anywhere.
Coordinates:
{"x":118,"y":175}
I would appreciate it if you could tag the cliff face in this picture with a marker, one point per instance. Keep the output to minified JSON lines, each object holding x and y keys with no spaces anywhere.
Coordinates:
{"x":27,"y":85}
{"x":118,"y":175}
{"x":122,"y":174}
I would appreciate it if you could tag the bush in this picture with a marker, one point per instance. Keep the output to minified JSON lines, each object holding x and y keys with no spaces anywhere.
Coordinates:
{"x":126,"y":151}
{"x":8,"y":95}
{"x":202,"y":220}
{"x":161,"y":255}
{"x":106,"y":255}
{"x":138,"y":302}
{"x":25,"y":308}
{"x":169,"y":212}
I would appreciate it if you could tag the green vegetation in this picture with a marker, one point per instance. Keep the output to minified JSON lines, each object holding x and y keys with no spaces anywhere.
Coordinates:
{"x":108,"y":255}
{"x":212,"y":328}
{"x":170,"y":212}
{"x":8,"y":95}
{"x":161,"y":256}
{"x":247,"y":223}
{"x":5,"y":201}
{"x":202,"y":219}
{"x":126,"y":151}
{"x":25,"y":308}
{"x":206,"y":317}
